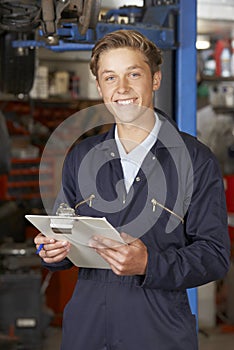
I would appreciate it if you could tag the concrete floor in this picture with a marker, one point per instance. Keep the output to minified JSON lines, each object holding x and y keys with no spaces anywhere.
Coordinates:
{"x":212,"y":339}
{"x":53,"y":339}
{"x":216,"y":340}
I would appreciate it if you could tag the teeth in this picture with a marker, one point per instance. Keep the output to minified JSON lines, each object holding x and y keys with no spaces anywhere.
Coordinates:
{"x":125,"y":102}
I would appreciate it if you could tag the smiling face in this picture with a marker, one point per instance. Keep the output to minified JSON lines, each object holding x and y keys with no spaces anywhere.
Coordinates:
{"x":126,"y":84}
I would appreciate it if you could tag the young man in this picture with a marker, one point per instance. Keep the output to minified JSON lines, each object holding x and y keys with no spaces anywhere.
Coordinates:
{"x":163,"y":191}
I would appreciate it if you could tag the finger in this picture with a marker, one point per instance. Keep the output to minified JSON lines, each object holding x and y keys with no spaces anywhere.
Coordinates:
{"x":53,"y":253}
{"x":38,"y":238}
{"x":40,"y":245}
{"x":55,"y":259}
{"x":41,"y":239}
{"x":114,"y":263}
{"x":108,"y":253}
{"x":94,"y":243}
{"x":136,"y":242}
{"x":56,"y":245}
{"x":101,"y":242}
{"x":127,"y":238}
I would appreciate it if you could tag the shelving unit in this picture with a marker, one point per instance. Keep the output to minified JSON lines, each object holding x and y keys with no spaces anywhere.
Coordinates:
{"x":49,"y":112}
{"x":215,"y":79}
{"x":221,"y":93}
{"x":22,"y":183}
{"x":23,"y":180}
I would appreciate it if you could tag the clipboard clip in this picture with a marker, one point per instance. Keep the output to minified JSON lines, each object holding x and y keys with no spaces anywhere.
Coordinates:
{"x":63,"y":225}
{"x":65,"y":210}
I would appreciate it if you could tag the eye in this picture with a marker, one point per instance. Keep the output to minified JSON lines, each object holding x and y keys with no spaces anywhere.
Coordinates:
{"x":134,"y":74}
{"x":109,"y":78}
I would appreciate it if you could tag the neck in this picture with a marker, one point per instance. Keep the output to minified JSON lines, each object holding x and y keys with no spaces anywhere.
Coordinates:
{"x":132,"y":135}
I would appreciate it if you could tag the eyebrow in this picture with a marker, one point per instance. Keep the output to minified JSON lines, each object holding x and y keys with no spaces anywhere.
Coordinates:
{"x":107,"y":72}
{"x":128,"y":69}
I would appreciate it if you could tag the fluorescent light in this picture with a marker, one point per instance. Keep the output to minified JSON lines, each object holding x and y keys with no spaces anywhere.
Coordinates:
{"x":203,"y":42}
{"x":202,"y":45}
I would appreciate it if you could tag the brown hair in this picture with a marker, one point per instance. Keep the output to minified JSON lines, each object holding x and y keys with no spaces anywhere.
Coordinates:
{"x":127,"y":38}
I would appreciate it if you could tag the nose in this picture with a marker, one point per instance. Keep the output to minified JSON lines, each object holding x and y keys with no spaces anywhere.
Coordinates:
{"x":123,"y":85}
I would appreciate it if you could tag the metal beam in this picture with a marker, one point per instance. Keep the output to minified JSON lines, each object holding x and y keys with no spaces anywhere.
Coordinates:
{"x":186,"y":86}
{"x":185,"y":101}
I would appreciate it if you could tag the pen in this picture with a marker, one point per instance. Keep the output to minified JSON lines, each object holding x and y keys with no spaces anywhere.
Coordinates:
{"x":40,"y":248}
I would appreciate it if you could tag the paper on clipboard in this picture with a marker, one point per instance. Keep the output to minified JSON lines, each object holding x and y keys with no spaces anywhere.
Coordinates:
{"x":78,"y":230}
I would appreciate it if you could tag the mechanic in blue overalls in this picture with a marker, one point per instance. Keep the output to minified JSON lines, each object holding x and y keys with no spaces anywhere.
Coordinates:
{"x":163,"y":191}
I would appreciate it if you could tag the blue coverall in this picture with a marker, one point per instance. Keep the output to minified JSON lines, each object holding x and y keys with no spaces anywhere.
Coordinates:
{"x":151,"y":312}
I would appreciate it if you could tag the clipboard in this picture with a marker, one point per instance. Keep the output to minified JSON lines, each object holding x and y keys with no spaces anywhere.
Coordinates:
{"x":78,"y":230}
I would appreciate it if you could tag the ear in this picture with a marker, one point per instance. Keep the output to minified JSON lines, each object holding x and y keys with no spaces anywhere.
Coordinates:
{"x":99,"y":89}
{"x":157,"y":80}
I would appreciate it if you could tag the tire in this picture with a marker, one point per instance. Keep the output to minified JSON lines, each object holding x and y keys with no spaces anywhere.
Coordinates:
{"x":17,"y":67}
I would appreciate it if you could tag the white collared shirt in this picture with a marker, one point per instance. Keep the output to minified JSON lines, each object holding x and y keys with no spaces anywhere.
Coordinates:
{"x":131,"y":162}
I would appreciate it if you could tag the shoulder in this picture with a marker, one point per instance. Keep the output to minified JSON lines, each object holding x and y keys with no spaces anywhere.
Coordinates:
{"x":90,"y":142}
{"x":200,"y":154}
{"x":79,"y":151}
{"x":193,"y":144}
{"x":81,"y":148}
{"x":171,"y":133}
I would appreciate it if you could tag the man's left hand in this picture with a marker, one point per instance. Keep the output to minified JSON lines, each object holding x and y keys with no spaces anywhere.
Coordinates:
{"x":124,"y":259}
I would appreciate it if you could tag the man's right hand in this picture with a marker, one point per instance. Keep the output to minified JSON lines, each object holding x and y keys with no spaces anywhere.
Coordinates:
{"x":53,"y":251}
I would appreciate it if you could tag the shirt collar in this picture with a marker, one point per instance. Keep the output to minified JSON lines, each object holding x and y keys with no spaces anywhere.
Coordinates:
{"x":145,"y":145}
{"x":168,"y":135}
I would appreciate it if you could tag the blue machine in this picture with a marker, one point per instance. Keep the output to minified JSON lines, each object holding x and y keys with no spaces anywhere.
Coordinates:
{"x":171,"y":24}
{"x":186,"y":86}
{"x":152,"y":21}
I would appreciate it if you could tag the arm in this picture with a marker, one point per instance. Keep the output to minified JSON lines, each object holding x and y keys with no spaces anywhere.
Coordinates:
{"x":206,"y":257}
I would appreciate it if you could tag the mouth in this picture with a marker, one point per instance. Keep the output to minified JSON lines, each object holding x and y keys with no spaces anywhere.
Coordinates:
{"x":126,"y":102}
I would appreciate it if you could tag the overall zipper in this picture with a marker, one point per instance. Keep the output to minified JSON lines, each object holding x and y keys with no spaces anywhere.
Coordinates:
{"x":89,"y":199}
{"x":155,"y":203}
